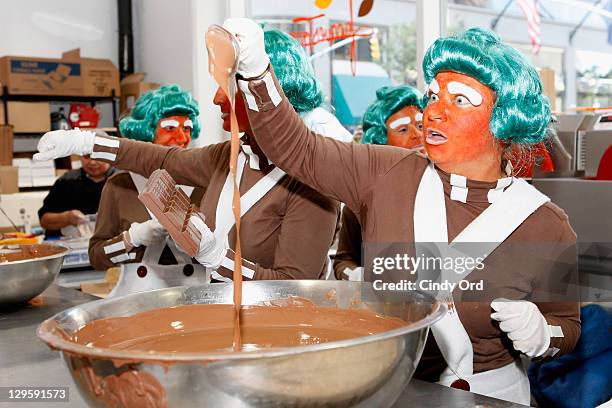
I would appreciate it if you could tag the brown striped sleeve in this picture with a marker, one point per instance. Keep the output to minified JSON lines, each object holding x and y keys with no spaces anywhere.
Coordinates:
{"x":117,"y":251}
{"x":227,"y":267}
{"x":105,"y":148}
{"x":106,"y":246}
{"x":191,"y":167}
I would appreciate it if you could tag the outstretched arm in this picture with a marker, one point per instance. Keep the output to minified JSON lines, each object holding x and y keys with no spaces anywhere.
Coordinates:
{"x":187,"y":166}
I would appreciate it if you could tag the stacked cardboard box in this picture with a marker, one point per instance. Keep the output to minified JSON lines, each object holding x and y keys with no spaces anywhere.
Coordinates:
{"x":132,"y":86}
{"x":28,"y":117}
{"x":35,"y":174}
{"x":71,"y":75}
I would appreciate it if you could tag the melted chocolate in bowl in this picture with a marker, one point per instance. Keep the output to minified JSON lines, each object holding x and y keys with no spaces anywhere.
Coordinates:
{"x":209,"y":328}
{"x":14,"y":253}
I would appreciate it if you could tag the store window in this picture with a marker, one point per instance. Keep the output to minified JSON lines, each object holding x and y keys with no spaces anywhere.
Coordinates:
{"x":594,"y":79}
{"x":385,"y":57}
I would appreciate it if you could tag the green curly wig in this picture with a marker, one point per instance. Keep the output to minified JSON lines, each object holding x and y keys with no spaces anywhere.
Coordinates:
{"x":293,"y":70}
{"x":157,"y":104}
{"x":521,"y":114}
{"x":389,"y":99}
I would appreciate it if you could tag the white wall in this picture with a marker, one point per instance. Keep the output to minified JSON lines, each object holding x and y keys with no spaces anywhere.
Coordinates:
{"x":169,"y":44}
{"x":206,"y":13}
{"x":44,"y":28}
{"x":163,"y":40}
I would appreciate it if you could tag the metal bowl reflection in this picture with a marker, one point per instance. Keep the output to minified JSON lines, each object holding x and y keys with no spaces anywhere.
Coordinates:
{"x":364,"y":371}
{"x":23,"y":279}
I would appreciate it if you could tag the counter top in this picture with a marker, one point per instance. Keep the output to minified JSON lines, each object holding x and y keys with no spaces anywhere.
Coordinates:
{"x":27,"y":361}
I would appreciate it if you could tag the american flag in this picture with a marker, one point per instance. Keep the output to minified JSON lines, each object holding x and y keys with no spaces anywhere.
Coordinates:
{"x":530,"y":9}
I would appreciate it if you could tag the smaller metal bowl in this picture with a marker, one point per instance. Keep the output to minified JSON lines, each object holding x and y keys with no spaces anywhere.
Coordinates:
{"x":21,"y":280}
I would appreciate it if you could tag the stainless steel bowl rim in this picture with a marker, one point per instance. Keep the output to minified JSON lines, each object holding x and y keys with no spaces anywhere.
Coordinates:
{"x":64,"y":345}
{"x":42,"y":258}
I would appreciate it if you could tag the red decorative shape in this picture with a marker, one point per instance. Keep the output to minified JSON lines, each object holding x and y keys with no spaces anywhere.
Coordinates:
{"x":365,"y":8}
{"x":141,"y":271}
{"x":604,"y":171}
{"x":83,"y":116}
{"x":461,"y":384}
{"x":336,"y":31}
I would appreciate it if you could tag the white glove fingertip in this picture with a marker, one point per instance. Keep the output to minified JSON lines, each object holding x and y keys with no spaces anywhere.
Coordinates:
{"x":198,"y":223}
{"x":40,"y":157}
{"x":499,"y":305}
{"x":497,"y":316}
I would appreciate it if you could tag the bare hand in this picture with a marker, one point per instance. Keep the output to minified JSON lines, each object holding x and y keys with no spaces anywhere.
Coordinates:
{"x":75,"y":217}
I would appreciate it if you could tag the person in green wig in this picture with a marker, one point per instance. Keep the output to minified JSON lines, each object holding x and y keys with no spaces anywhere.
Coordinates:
{"x":286,"y":227}
{"x":126,"y":234}
{"x":395,"y":118}
{"x":483,"y":97}
{"x":166,"y":116}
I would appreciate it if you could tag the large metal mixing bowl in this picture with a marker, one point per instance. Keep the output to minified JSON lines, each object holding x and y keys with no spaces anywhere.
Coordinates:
{"x":22,"y":280}
{"x":368,"y":371}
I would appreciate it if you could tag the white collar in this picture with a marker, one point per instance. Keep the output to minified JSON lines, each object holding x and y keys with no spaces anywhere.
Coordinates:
{"x":255,"y":160}
{"x":459,"y":189}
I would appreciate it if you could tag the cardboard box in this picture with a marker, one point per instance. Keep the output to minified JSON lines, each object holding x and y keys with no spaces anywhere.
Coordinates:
{"x":28,"y":117}
{"x":41,"y":76}
{"x":100,"y":76}
{"x":9,"y":180}
{"x":6,"y":145}
{"x":132,"y":86}
{"x":69,"y":76}
{"x":547,"y":76}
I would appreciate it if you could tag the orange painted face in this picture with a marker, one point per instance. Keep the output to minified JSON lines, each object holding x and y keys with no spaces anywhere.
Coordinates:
{"x":223,"y":102}
{"x":456,"y":123}
{"x":173,"y":131}
{"x":405,"y":128}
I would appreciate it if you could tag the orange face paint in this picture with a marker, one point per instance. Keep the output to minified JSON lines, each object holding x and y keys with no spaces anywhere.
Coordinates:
{"x":456,"y":130}
{"x":400,"y":133}
{"x":223,"y":102}
{"x":173,"y":131}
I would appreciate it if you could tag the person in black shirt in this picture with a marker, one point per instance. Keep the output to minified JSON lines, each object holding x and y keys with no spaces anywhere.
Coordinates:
{"x":73,"y":195}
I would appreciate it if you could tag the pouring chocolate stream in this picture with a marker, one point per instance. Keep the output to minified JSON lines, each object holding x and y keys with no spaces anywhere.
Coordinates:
{"x":222,"y":63}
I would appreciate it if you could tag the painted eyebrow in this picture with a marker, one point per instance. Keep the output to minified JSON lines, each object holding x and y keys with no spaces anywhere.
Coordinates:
{"x":472,"y":94}
{"x":188,"y":123}
{"x":169,"y":122}
{"x":434,"y":86}
{"x":400,"y":121}
{"x":418,"y":117}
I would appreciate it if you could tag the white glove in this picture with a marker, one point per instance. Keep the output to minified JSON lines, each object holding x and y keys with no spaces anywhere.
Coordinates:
{"x":62,"y":143}
{"x":211,"y":252}
{"x":146,"y":233}
{"x":324,"y":123}
{"x":355,"y":274}
{"x":253,"y":59}
{"x":524,"y":324}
